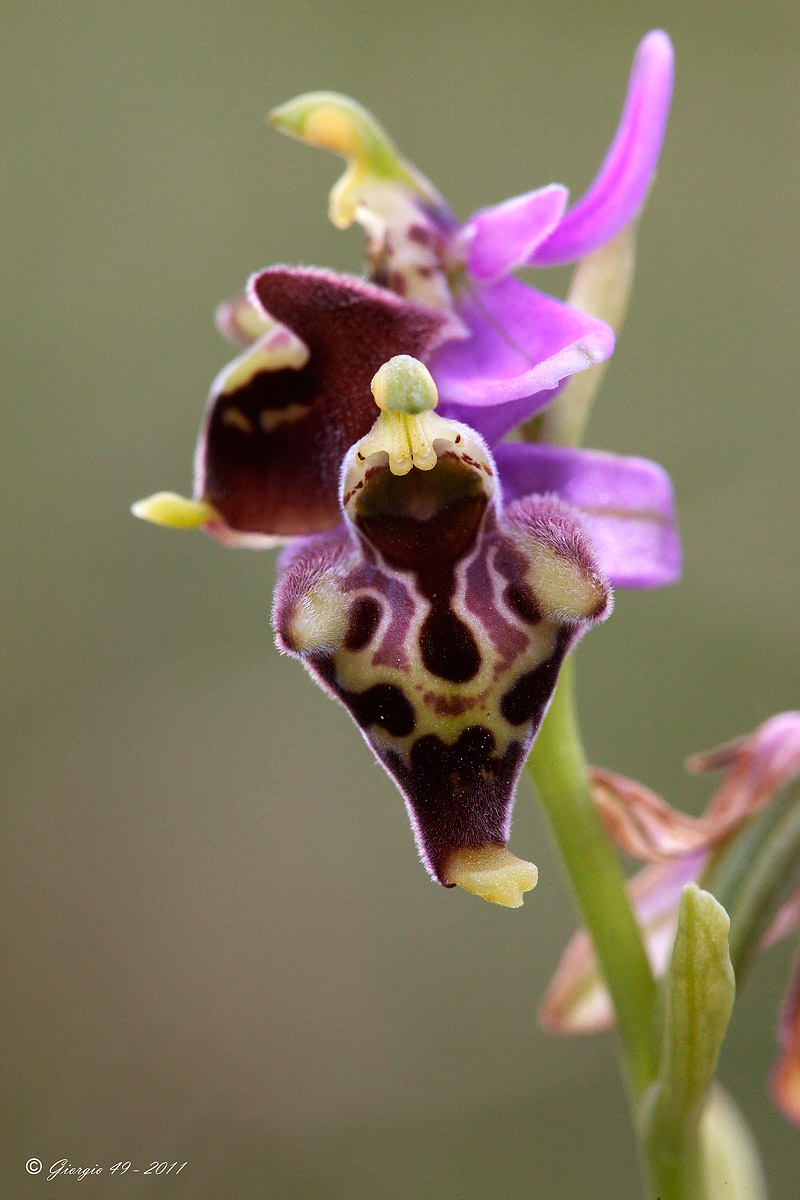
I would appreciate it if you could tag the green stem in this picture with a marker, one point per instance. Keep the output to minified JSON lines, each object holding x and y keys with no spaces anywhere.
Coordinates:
{"x":558,"y":767}
{"x":676,"y":1167}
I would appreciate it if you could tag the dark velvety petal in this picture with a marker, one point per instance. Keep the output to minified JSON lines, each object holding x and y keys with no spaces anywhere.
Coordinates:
{"x":279,"y":421}
{"x":627,"y":505}
{"x":522,"y":344}
{"x":502,"y":238}
{"x":621,"y":186}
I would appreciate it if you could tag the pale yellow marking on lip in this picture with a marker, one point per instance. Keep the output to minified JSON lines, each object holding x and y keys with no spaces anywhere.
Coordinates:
{"x":493,"y":873}
{"x":236,"y":418}
{"x":282,"y":351}
{"x":240,"y":319}
{"x":251,"y":322}
{"x":271,"y":418}
{"x":318,"y":620}
{"x":562,"y":588}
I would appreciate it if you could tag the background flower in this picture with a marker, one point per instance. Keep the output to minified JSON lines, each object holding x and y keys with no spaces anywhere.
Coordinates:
{"x":678,"y":850}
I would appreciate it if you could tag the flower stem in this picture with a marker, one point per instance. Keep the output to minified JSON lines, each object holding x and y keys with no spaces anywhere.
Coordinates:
{"x":558,"y":767}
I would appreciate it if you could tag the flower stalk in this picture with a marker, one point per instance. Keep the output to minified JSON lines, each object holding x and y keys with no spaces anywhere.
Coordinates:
{"x":667,"y":1090}
{"x":601,"y":285}
{"x":559,"y":770}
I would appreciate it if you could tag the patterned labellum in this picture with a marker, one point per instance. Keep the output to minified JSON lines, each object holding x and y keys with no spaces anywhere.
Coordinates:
{"x":441,"y":622}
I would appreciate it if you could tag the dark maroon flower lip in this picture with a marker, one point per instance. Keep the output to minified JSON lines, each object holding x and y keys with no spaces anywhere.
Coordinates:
{"x":440,"y":622}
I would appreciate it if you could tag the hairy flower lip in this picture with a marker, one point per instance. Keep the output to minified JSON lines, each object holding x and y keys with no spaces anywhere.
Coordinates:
{"x":440,"y":622}
{"x":627,"y":505}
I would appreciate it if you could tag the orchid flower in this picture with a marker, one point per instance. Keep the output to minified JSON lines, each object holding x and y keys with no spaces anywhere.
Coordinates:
{"x":519,"y":343}
{"x":440,"y":621}
{"x":281,"y":416}
{"x":437,"y":576}
{"x":433,"y":588}
{"x":679,"y":850}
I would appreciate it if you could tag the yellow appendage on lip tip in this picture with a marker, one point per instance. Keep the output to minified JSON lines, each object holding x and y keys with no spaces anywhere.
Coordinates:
{"x":493,"y":873}
{"x":174,"y":511}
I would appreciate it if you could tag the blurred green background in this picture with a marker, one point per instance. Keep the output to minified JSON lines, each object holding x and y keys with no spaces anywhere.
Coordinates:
{"x":218,"y":944}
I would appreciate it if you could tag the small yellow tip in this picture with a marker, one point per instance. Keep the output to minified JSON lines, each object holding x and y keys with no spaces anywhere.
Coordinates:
{"x":493,"y":873}
{"x":174,"y":511}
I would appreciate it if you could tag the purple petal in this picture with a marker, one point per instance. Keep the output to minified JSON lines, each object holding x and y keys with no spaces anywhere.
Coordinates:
{"x":627,"y":505}
{"x":522,"y":345}
{"x":502,"y":238}
{"x":620,"y":188}
{"x":496,"y":420}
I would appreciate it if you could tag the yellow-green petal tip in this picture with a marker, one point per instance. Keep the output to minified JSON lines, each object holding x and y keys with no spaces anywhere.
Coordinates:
{"x":174,"y":511}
